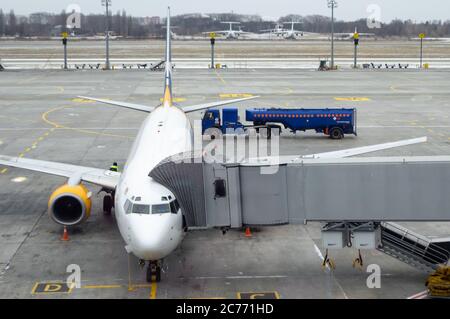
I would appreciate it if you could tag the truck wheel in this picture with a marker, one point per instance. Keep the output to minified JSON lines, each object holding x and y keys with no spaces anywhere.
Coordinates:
{"x":213,"y":133}
{"x":336,"y":133}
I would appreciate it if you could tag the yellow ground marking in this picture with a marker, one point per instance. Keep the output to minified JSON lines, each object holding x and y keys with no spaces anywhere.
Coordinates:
{"x":220,"y":77}
{"x":102,"y":287}
{"x":44,"y":288}
{"x":3,"y":171}
{"x":208,"y":298}
{"x":235,"y":95}
{"x":40,"y":138}
{"x":21,"y":155}
{"x":258,"y":295}
{"x":352,"y":99}
{"x":27,"y":150}
{"x":154,"y":286}
{"x":175,"y":99}
{"x":80,"y":100}
{"x":288,"y":91}
{"x":59,"y":126}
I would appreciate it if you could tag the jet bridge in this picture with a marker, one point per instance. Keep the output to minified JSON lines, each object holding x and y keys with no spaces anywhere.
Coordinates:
{"x":233,"y":195}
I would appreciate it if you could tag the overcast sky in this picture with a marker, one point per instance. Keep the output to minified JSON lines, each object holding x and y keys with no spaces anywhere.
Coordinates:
{"x":348,"y":9}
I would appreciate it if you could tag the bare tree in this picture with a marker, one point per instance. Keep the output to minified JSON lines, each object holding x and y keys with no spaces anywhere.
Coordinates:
{"x":12,"y":24}
{"x":2,"y":23}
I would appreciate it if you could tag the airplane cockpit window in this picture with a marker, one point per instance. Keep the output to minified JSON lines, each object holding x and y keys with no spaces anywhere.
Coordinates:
{"x":160,"y":209}
{"x":127,"y":207}
{"x":141,"y":209}
{"x":174,"y":207}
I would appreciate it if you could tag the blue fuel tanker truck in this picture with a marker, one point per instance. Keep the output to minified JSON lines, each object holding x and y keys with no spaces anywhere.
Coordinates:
{"x":335,"y":123}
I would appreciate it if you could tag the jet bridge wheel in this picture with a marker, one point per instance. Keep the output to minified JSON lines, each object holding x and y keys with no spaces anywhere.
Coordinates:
{"x":107,"y":204}
{"x":154,"y":272}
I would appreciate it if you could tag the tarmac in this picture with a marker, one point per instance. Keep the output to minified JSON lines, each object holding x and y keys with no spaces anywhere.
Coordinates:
{"x":42,"y":119}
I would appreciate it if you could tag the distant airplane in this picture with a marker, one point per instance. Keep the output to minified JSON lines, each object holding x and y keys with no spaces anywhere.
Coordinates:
{"x":291,"y":33}
{"x":349,"y":36}
{"x":230,"y":33}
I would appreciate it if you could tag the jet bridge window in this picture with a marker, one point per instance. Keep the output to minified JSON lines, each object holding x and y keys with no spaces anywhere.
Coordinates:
{"x":160,"y":209}
{"x":141,"y":209}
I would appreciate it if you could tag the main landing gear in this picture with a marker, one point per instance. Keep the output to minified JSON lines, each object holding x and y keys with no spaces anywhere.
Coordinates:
{"x":108,"y":201}
{"x":153,"y":271}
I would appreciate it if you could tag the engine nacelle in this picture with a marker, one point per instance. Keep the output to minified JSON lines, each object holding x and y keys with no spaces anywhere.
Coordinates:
{"x":70,"y":205}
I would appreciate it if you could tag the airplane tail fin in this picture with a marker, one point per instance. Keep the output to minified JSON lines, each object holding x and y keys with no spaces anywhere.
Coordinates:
{"x":167,"y":98}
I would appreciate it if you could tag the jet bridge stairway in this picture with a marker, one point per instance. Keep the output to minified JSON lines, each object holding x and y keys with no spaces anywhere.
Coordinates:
{"x":413,"y":249}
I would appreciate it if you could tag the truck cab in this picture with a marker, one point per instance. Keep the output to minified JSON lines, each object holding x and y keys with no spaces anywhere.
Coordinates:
{"x":215,"y":121}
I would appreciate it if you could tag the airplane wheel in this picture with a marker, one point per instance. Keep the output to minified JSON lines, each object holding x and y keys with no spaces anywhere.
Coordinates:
{"x":107,"y":204}
{"x":153,"y":273}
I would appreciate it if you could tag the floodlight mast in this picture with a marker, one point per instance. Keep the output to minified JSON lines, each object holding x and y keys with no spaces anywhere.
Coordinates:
{"x":107,"y":4}
{"x":332,"y":4}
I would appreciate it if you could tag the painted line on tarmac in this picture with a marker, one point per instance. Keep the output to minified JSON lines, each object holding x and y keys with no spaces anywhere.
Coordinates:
{"x":56,"y":125}
{"x":220,"y":77}
{"x":242,"y":277}
{"x":153,"y":290}
{"x":420,"y":295}
{"x":352,"y":99}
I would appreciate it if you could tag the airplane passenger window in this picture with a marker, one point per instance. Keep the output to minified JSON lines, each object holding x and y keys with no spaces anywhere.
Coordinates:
{"x":174,"y":207}
{"x":160,"y":209}
{"x":141,"y":209}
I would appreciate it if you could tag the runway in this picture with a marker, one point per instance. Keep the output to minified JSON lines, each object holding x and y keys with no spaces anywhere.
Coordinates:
{"x":41,"y":118}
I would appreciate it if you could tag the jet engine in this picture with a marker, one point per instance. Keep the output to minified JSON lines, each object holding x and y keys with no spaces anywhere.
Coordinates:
{"x":70,"y":205}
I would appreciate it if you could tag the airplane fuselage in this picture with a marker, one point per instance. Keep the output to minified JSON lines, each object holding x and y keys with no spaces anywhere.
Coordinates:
{"x":149,"y":227}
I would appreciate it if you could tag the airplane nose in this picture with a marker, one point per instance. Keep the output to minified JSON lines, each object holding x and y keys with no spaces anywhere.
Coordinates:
{"x":149,"y":242}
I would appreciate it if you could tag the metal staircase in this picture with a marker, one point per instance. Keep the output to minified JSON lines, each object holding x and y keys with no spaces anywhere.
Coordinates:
{"x":413,"y":249}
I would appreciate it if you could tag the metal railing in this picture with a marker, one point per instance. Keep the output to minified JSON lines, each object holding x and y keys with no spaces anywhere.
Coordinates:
{"x":412,"y":245}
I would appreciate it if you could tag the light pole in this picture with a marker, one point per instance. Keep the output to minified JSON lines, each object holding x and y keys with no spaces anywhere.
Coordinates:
{"x":332,"y":4}
{"x":421,"y":36}
{"x":212,"y":36}
{"x":107,"y":4}
{"x":356,"y":43}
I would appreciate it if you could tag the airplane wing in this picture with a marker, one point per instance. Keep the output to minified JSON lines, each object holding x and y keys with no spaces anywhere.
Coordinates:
{"x":186,"y":109}
{"x":367,"y":149}
{"x":198,"y":107}
{"x":104,"y":178}
{"x":272,"y":160}
{"x":132,"y":106}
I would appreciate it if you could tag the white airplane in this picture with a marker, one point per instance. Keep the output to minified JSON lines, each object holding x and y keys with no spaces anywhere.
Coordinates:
{"x":148,"y":215}
{"x":230,"y":33}
{"x":349,"y":36}
{"x":291,"y":33}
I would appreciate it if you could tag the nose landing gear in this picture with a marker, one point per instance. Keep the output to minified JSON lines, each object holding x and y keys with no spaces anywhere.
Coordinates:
{"x":154,"y":271}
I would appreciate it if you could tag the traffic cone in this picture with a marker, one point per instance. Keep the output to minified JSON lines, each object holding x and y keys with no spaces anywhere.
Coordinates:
{"x":65,"y":236}
{"x":248,"y":232}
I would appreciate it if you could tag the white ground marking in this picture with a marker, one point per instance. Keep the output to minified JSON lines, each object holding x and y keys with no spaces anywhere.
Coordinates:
{"x":419,"y":295}
{"x":243,"y":277}
{"x":19,"y":179}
